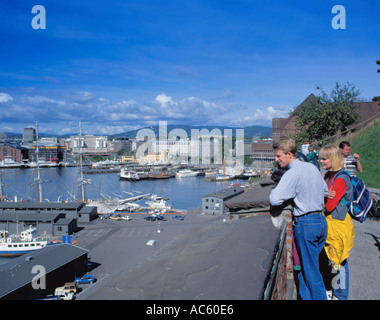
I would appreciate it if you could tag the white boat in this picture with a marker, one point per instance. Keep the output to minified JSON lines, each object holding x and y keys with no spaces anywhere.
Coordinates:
{"x":210,"y":174}
{"x":231,"y":171}
{"x":42,"y":163}
{"x":105,"y":163}
{"x":8,"y":162}
{"x":186,"y":173}
{"x":158,"y":203}
{"x":250,"y":173}
{"x":129,"y":207}
{"x":18,"y":245}
{"x":128,"y":175}
{"x":222,"y":177}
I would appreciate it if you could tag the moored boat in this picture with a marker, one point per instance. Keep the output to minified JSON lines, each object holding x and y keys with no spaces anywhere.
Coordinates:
{"x":186,"y":173}
{"x":8,"y":162}
{"x":128,"y":175}
{"x":17,"y":245}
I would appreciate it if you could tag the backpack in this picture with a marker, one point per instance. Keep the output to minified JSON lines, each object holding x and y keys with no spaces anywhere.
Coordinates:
{"x":361,"y":201}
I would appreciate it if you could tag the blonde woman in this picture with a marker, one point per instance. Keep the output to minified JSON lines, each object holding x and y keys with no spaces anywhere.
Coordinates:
{"x":340,"y":236}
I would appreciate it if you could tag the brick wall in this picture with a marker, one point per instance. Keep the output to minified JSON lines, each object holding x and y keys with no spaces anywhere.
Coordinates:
{"x":284,"y":287}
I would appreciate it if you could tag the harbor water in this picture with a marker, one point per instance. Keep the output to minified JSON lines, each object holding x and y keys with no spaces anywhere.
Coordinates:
{"x":62,"y":183}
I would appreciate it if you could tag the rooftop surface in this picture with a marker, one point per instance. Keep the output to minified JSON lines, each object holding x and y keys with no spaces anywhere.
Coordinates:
{"x":228,"y":260}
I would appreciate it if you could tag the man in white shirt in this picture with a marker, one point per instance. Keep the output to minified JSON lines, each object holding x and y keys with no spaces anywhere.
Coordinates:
{"x":303,"y":183}
{"x":351,"y":163}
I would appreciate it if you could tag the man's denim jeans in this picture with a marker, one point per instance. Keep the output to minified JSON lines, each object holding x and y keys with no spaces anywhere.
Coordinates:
{"x":310,"y":233}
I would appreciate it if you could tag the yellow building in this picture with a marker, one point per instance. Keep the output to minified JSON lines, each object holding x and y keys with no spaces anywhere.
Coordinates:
{"x":128,"y":159}
{"x":153,"y":157}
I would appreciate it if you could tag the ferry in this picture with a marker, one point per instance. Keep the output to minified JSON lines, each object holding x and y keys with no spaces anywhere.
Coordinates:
{"x":18,"y":245}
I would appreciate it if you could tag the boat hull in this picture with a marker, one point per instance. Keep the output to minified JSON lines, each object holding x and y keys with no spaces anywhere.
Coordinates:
{"x":14,"y":249}
{"x":14,"y":253}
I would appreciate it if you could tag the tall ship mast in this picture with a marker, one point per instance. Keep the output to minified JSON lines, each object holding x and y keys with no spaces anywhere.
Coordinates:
{"x":38,"y":179}
{"x":81,"y":180}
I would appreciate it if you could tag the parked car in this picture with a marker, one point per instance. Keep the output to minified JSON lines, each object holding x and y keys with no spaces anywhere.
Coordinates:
{"x":115,"y":217}
{"x":87,"y":278}
{"x":177,"y":217}
{"x":67,"y":288}
{"x":127,"y":218}
{"x":150,"y":218}
{"x":66,"y":296}
{"x":104,"y":216}
{"x":161,"y":218}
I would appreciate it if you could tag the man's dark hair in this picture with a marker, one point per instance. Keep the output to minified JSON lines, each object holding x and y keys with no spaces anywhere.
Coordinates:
{"x":343,"y":144}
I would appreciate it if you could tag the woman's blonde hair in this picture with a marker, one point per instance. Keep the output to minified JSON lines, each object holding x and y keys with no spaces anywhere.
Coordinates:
{"x":333,"y":153}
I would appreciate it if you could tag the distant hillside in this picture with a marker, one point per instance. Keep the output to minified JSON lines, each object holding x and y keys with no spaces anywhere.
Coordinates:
{"x":248,"y":131}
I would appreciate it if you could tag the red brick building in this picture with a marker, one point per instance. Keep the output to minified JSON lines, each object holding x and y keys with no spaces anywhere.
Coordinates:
{"x":14,"y":152}
{"x":368,"y":112}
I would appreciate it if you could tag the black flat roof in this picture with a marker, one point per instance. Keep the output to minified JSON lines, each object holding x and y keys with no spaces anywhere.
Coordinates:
{"x":42,"y":205}
{"x":18,"y":272}
{"x":29,"y":216}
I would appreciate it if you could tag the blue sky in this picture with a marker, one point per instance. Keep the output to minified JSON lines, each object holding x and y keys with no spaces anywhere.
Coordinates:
{"x":120,"y":65}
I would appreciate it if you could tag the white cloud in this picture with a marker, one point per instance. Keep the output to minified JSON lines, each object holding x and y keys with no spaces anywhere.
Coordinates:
{"x":5,"y":97}
{"x":61,"y":112}
{"x":163,"y":99}
{"x":37,"y":100}
{"x":268,"y":114}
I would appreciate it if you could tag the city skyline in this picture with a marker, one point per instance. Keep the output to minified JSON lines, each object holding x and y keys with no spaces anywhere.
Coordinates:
{"x":126,"y":65}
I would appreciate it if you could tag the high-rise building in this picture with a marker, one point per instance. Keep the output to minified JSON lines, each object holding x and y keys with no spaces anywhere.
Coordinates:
{"x":29,"y":135}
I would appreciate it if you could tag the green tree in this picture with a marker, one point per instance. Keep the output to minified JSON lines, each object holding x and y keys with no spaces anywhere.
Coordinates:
{"x":327,"y":114}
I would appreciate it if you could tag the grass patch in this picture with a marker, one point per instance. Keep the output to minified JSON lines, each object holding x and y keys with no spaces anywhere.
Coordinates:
{"x":366,"y":143}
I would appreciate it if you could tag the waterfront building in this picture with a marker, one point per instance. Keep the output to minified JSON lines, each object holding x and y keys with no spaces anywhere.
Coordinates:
{"x":47,"y":151}
{"x":214,"y":203}
{"x":263,"y":152}
{"x":52,"y":218}
{"x":15,"y":153}
{"x":51,"y":223}
{"x":118,"y":144}
{"x":127,"y":159}
{"x":204,"y":149}
{"x":173,"y":150}
{"x":56,"y":264}
{"x":29,"y":135}
{"x":91,"y":145}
